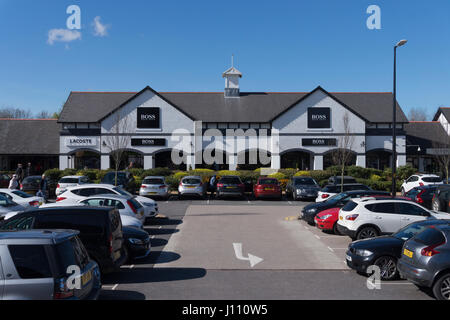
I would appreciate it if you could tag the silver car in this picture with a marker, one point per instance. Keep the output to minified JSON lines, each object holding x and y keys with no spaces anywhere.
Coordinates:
{"x":154,"y":187}
{"x":425,"y":260}
{"x":40,"y":265}
{"x":193,"y":186}
{"x":8,"y":206}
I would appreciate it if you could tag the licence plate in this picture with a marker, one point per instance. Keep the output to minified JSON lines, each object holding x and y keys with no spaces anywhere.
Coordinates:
{"x":40,"y":203}
{"x":408,"y":253}
{"x":190,"y":187}
{"x":151,"y":192}
{"x":269,"y":189}
{"x":86,"y":278}
{"x":349,"y":258}
{"x":230,"y":187}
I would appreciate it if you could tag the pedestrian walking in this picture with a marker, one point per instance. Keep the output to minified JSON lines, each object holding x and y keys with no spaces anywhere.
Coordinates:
{"x":28,"y":170}
{"x":13,"y":183}
{"x":20,"y":173}
{"x":43,"y":188}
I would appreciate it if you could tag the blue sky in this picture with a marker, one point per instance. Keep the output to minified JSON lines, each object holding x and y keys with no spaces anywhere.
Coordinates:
{"x":186,"y":45}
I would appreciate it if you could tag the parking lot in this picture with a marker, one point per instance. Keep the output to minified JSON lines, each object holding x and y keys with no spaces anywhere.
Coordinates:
{"x":194,"y":257}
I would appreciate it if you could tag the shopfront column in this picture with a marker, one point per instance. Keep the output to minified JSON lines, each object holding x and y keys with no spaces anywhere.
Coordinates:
{"x":63,"y":162}
{"x":318,"y":163}
{"x":232,"y":162}
{"x":401,"y":161}
{"x":190,"y":162}
{"x":276,"y":162}
{"x":361,"y":161}
{"x":105,"y":162}
{"x":421,"y":164}
{"x":149,"y":162}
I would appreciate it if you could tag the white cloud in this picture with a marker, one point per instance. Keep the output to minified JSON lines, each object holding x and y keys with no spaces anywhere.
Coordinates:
{"x":62,"y":35}
{"x":100,"y":29}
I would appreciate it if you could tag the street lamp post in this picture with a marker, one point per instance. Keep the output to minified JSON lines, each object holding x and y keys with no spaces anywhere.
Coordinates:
{"x":394,"y":123}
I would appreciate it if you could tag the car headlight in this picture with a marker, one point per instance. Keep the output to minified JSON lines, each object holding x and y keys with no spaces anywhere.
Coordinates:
{"x":325,"y":217}
{"x":363,"y":253}
{"x":311,"y":210}
{"x":136,"y":241}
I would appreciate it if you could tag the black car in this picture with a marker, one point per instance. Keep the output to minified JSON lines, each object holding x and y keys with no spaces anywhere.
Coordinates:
{"x":338,"y":201}
{"x":230,"y":186}
{"x":385,"y":251}
{"x":337,"y":180}
{"x":4,"y":181}
{"x":302,"y":188}
{"x":423,"y":195}
{"x":441,"y":198}
{"x":125,"y":180}
{"x":136,"y":243}
{"x":100,"y":230}
{"x":32,"y":184}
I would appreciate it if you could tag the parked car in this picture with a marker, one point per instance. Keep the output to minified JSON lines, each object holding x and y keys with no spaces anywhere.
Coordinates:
{"x":230,"y":186}
{"x":425,"y":260}
{"x":125,"y":180}
{"x":131,"y":211}
{"x":332,"y":190}
{"x":8,"y":206}
{"x":37,"y":262}
{"x":371,"y":217}
{"x":423,"y":195}
{"x":136,"y":243}
{"x":31,"y":186}
{"x":22,"y":198}
{"x":441,"y":198}
{"x":267,"y":188}
{"x":70,"y":181}
{"x":192,"y":186}
{"x":100,"y":230}
{"x":73,"y":194}
{"x":4,"y":180}
{"x":302,"y":188}
{"x":385,"y":251}
{"x":154,"y":187}
{"x":420,"y":180}
{"x":310,"y":211}
{"x":337,"y":180}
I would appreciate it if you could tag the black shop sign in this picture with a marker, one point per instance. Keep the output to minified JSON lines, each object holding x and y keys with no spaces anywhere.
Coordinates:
{"x":148,"y":142}
{"x":148,"y":118}
{"x":319,"y":118}
{"x":319,"y":142}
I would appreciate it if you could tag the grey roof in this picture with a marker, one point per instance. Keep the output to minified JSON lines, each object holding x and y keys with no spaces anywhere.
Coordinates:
{"x":444,"y":111}
{"x":214,"y":107}
{"x":32,"y":137}
{"x":426,"y":135}
{"x":55,"y":236}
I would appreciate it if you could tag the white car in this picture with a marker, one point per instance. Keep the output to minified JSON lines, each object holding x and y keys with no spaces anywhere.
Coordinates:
{"x":154,"y":186}
{"x":70,"y":181}
{"x":8,"y":207}
{"x":22,"y":198}
{"x":73,"y":194}
{"x":331,"y":190}
{"x":420,"y":180}
{"x":128,"y":207}
{"x":371,"y":217}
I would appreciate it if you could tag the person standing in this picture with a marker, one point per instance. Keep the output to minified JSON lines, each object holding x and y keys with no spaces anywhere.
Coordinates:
{"x":213,"y":185}
{"x":13,"y":183}
{"x":29,"y":170}
{"x":43,"y":188}
{"x":20,"y":173}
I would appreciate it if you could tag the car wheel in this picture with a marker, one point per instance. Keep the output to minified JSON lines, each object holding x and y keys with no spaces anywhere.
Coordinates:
{"x":335,"y":229}
{"x":388,"y":267}
{"x":436,"y":205}
{"x":366,"y":233}
{"x":441,"y":288}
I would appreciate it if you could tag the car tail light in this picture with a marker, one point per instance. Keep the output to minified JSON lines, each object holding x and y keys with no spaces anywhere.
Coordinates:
{"x":143,"y":187}
{"x":162,"y":187}
{"x":324,"y":196}
{"x":429,"y":251}
{"x":57,"y":186}
{"x":130,"y":204}
{"x":34,"y":203}
{"x":61,"y":290}
{"x":352,"y":217}
{"x":60,"y":199}
{"x":419,"y":196}
{"x":21,"y":186}
{"x":421,"y":184}
{"x":220,"y":185}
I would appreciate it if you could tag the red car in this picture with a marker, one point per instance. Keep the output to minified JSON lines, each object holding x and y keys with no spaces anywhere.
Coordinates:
{"x":267,"y":188}
{"x":327,"y":220}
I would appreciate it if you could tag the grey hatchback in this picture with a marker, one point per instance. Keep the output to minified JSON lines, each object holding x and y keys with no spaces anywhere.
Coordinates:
{"x":41,"y":265}
{"x":425,"y":260}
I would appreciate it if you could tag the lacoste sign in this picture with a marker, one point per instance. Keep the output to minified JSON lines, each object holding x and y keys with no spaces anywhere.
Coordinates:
{"x":81,"y":142}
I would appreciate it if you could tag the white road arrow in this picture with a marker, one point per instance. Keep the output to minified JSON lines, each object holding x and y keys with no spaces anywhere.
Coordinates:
{"x":254,"y":260}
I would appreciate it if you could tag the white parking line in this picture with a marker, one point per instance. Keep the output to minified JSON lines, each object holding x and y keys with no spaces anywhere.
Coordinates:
{"x":153,"y":237}
{"x":289,"y":202}
{"x":317,"y":236}
{"x":115,"y":287}
{"x":160,"y":227}
{"x":331,"y":249}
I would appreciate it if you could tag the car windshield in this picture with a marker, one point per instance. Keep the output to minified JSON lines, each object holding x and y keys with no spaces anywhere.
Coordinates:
{"x":122,"y":192}
{"x":153,"y":181}
{"x":230,"y":180}
{"x":337,"y":198}
{"x":432,"y":179}
{"x":111,"y":177}
{"x":410,"y":231}
{"x":268,"y":181}
{"x":305,"y":181}
{"x":21,"y":194}
{"x":191,"y":181}
{"x":69,"y":180}
{"x":5,"y":202}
